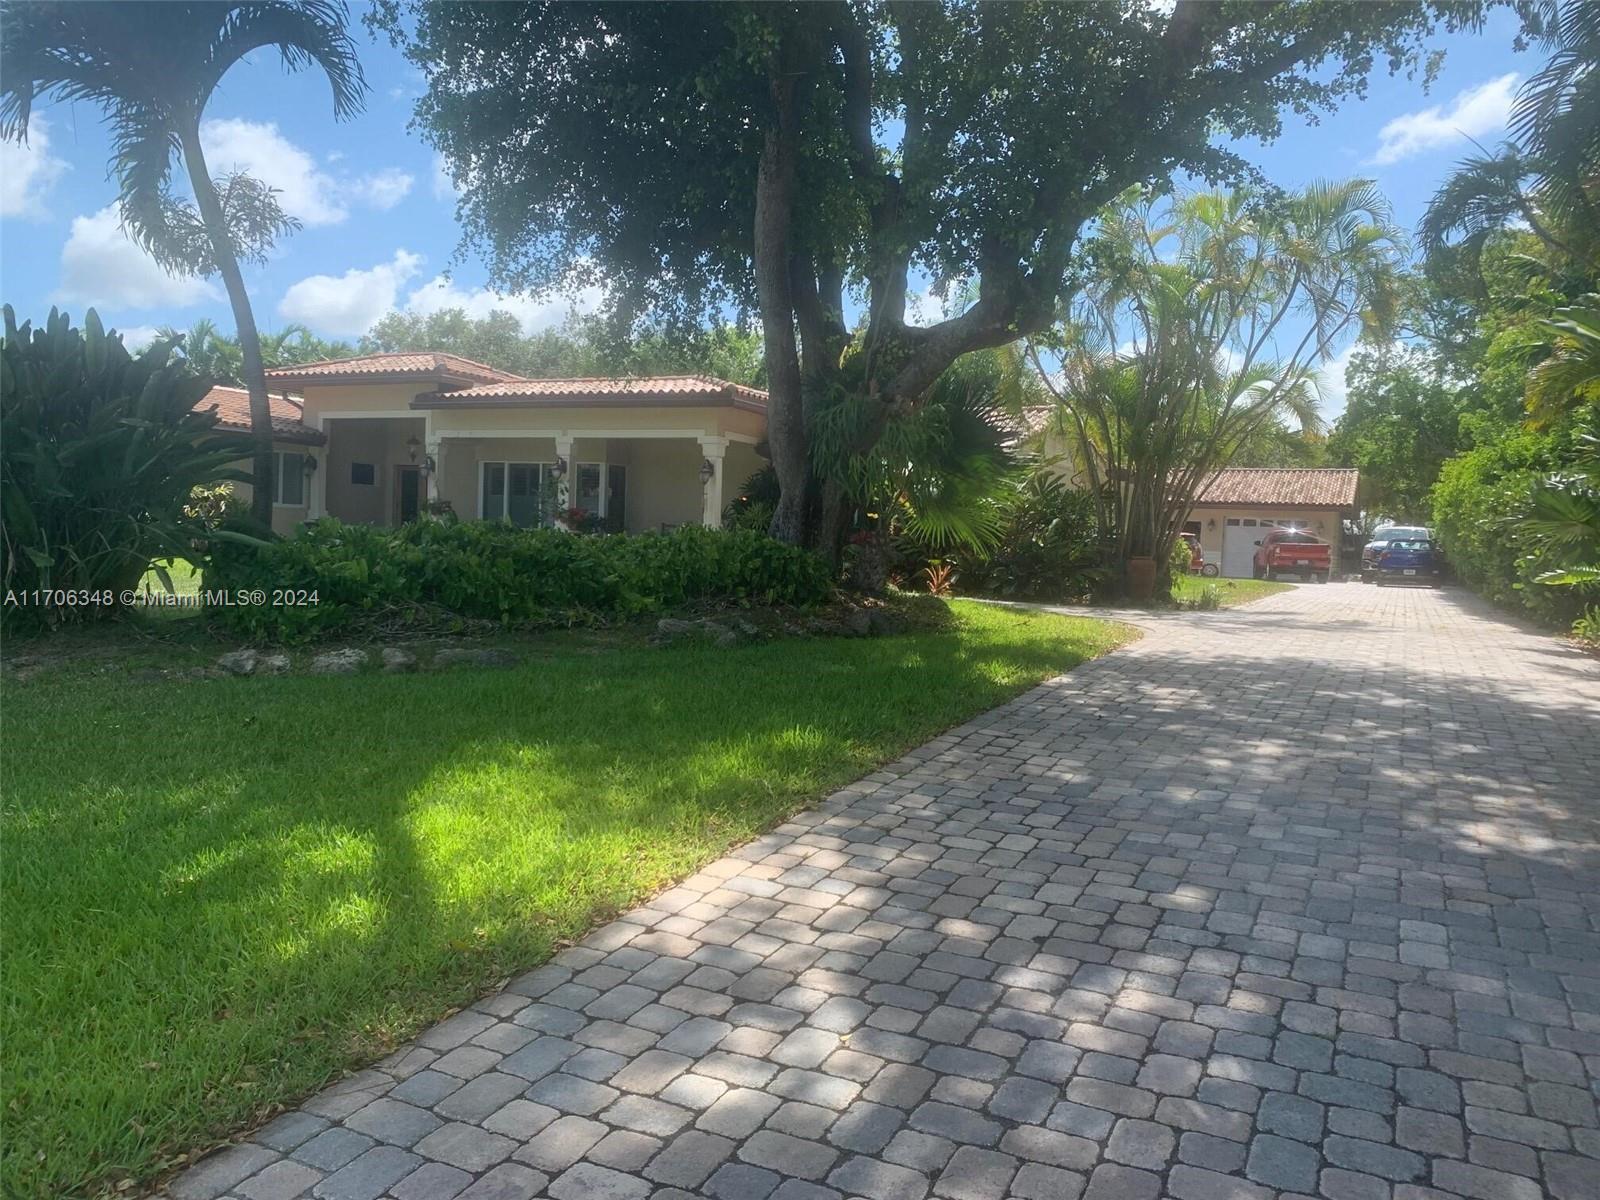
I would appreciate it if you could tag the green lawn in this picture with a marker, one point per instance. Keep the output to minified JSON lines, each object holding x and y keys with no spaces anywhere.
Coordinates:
{"x":1189,"y":589}
{"x":220,"y":893}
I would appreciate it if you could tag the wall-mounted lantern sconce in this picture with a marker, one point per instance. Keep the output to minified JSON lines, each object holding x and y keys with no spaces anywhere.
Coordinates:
{"x":559,"y":471}
{"x":1212,"y":523}
{"x":310,"y":465}
{"x":708,"y":470}
{"x":413,"y":445}
{"x":428,"y":464}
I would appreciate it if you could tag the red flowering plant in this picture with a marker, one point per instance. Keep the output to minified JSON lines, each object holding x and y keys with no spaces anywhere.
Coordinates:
{"x":580,"y":520}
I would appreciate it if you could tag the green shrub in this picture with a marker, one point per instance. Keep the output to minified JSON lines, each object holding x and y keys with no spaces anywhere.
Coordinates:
{"x":495,"y":571}
{"x":99,"y":454}
{"x":1178,"y":561}
{"x":757,"y":500}
{"x":1048,"y":548}
{"x":1480,"y":508}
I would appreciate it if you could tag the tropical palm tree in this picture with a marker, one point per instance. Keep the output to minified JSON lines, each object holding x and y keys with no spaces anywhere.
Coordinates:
{"x":152,"y":68}
{"x":210,"y":352}
{"x":1557,"y":113}
{"x":1548,"y":179}
{"x":1204,"y":326}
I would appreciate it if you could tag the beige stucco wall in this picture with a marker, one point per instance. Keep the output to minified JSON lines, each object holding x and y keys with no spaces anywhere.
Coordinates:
{"x":579,"y":419}
{"x":381,"y":443}
{"x":664,"y":483}
{"x":320,"y":398}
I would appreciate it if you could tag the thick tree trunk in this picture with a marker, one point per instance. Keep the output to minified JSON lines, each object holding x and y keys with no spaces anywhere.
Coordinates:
{"x":786,"y":424}
{"x":255,"y":379}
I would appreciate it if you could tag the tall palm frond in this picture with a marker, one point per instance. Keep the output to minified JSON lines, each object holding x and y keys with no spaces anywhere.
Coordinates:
{"x":1557,"y":113}
{"x":1571,"y":373}
{"x":152,"y":68}
{"x":1483,"y":195}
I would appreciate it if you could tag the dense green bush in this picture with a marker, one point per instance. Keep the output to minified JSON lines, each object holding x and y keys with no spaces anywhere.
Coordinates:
{"x":99,"y":454}
{"x":1047,"y":549}
{"x":1178,"y":560}
{"x":495,"y":571}
{"x":1480,"y":506}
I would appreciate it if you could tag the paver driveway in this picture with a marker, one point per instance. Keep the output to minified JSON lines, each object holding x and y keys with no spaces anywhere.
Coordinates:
{"x":1297,"y":899}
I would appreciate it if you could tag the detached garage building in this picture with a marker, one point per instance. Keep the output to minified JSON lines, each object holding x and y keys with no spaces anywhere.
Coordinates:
{"x":1238,"y":503}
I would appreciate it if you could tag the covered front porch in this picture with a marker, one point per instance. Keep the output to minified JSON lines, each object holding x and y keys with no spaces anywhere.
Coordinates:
{"x":389,"y":469}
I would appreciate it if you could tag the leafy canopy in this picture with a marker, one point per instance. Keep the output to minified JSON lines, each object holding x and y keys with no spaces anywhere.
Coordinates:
{"x":620,"y":144}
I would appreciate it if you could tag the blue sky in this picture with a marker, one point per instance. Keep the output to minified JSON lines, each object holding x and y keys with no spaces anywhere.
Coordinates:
{"x":379,"y":226}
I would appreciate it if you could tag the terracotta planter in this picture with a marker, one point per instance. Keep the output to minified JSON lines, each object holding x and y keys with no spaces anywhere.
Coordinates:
{"x":1141,"y":578}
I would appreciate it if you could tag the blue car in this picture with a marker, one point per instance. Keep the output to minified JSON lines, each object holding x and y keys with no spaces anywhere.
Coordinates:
{"x":1413,"y":560}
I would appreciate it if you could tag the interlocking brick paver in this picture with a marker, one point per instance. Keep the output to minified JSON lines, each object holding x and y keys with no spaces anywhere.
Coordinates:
{"x":1295,"y":899}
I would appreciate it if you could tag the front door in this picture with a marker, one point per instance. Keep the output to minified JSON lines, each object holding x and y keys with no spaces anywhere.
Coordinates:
{"x":407,"y":494}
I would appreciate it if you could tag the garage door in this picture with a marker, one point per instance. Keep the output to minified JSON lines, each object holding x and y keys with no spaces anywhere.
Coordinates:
{"x":1239,"y":538}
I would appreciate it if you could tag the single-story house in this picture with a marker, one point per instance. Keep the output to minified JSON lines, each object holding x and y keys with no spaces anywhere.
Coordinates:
{"x":380,"y":438}
{"x":1237,"y":503}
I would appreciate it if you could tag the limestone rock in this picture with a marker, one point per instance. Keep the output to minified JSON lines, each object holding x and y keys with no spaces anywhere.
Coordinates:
{"x":397,"y":661}
{"x":339,"y":662}
{"x":239,"y":662}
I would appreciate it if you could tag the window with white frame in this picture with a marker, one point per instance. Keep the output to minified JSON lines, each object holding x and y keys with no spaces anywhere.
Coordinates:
{"x":519,"y":492}
{"x":288,"y":479}
{"x":588,"y":494}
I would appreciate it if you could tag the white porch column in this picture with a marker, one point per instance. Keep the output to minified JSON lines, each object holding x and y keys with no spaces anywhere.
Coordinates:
{"x":564,"y":487}
{"x":713,"y":448}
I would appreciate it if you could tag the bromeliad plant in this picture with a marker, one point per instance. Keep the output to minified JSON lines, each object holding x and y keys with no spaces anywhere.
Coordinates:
{"x":100,"y":453}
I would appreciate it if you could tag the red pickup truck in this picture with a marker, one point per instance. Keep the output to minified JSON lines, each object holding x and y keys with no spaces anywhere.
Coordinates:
{"x":1290,"y":552}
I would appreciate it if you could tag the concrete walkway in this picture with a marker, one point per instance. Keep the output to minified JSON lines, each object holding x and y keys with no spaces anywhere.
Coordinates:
{"x":1298,"y":899}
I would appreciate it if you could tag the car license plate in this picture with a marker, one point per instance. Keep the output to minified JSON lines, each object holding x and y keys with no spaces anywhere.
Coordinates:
{"x":1408,"y":571}
{"x":1302,"y":562}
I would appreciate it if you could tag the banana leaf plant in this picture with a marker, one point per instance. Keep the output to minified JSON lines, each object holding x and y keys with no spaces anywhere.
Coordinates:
{"x":99,"y":453}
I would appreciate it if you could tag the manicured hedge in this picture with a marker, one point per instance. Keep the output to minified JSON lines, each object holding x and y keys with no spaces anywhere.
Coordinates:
{"x":491,"y":570}
{"x":1476,"y":505}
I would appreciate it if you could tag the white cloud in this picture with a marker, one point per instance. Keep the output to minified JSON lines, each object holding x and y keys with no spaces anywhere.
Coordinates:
{"x":306,"y":192}
{"x":27,"y":172}
{"x":383,"y":189}
{"x":1331,"y":385}
{"x":533,"y":313}
{"x":347,"y":305}
{"x":1473,"y":113}
{"x":101,"y":267}
{"x":137,"y":337}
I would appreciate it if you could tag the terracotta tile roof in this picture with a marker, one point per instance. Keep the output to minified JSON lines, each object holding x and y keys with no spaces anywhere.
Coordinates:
{"x":400,"y":366}
{"x":651,"y":390}
{"x":233,"y":414}
{"x":1031,"y":422}
{"x":1309,"y":487}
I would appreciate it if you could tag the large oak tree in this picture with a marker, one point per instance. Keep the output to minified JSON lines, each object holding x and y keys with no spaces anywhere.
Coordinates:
{"x":808,"y":160}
